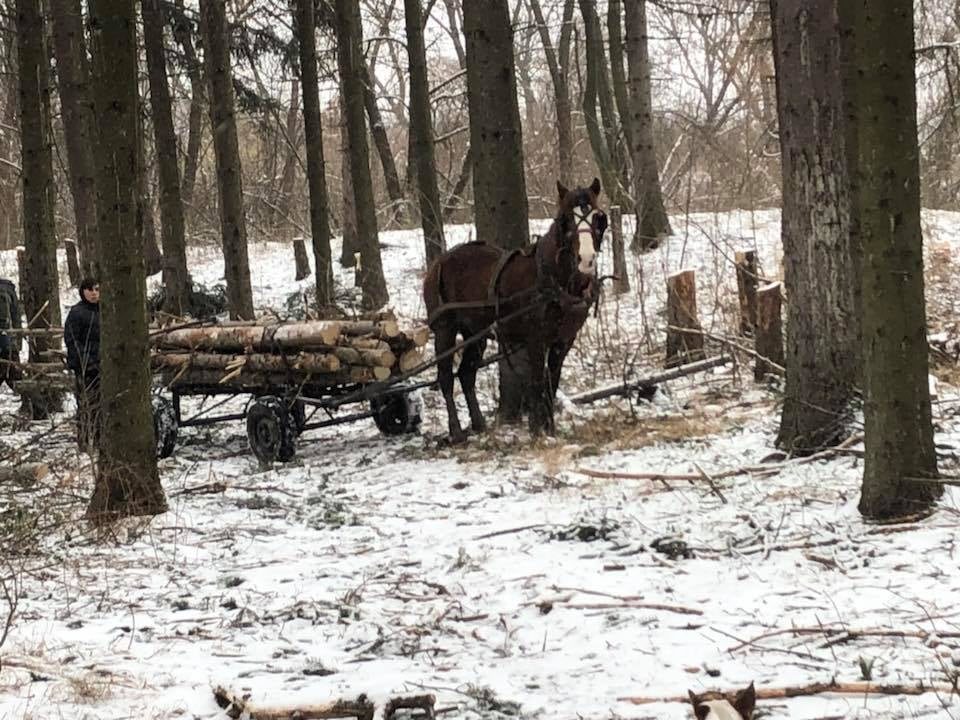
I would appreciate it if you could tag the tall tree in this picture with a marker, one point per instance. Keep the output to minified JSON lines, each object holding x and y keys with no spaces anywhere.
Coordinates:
{"x":496,"y":138}
{"x":898,"y":431}
{"x":175,"y":278}
{"x":127,"y":479}
{"x":352,"y":70}
{"x":233,"y":225}
{"x":316,"y":167}
{"x":421,"y":130}
{"x":42,"y":294}
{"x":652,"y":220}
{"x":183,"y":34}
{"x":820,"y":252}
{"x":558,"y":63}
{"x":73,"y":75}
{"x":381,"y":142}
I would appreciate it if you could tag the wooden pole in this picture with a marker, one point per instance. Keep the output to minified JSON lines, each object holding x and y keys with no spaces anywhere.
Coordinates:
{"x":746,"y":261}
{"x":683,"y":346}
{"x":621,"y":284}
{"x":300,"y":257}
{"x":73,"y":264}
{"x":769,"y":340}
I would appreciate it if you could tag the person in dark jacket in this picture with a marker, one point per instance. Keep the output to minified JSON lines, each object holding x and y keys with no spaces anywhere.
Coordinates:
{"x":9,"y":319}
{"x":81,"y":334}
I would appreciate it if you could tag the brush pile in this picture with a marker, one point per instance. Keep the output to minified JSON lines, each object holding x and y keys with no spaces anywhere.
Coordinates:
{"x":249,"y":355}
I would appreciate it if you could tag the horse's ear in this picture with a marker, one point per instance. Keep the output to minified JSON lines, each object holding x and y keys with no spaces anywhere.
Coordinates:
{"x":595,"y":186}
{"x":745,"y":701}
{"x":561,"y":191}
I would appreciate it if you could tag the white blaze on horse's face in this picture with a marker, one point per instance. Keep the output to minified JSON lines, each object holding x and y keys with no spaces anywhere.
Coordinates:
{"x":719,"y":710}
{"x":588,"y":253}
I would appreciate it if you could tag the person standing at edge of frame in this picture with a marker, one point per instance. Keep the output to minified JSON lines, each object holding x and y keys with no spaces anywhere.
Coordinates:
{"x":81,"y":335}
{"x":9,"y":320}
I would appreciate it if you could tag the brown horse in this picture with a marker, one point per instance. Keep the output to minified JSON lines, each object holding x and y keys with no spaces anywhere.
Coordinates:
{"x":535,"y":297}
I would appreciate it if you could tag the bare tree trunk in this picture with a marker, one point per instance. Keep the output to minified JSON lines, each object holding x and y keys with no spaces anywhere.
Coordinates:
{"x":176,"y":280}
{"x":652,"y":221}
{"x":421,"y":130}
{"x":350,"y":61}
{"x":152,"y":257}
{"x":496,"y":138}
{"x":316,"y":167}
{"x":349,"y":244}
{"x":382,"y":144}
{"x":183,"y":35}
{"x":10,"y":219}
{"x":820,"y":268}
{"x":70,"y":50}
{"x":898,"y":437}
{"x":39,"y":282}
{"x":127,"y":479}
{"x":558,"y":62}
{"x":233,"y":224}
{"x":283,"y":203}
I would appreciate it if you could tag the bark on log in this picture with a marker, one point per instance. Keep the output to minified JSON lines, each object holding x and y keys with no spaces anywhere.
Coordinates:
{"x":245,"y":379}
{"x":44,"y":385}
{"x":235,"y":706}
{"x":769,"y":341}
{"x":73,"y":263}
{"x":424,"y":703}
{"x":683,"y":347}
{"x":747,"y":280}
{"x":25,"y":474}
{"x":257,"y":362}
{"x":300,"y":258}
{"x":652,"y":380}
{"x":411,"y":359}
{"x":621,"y":283}
{"x":221,"y":338}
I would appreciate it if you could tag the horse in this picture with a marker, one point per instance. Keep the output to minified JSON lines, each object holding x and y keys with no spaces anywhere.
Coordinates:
{"x":532,"y":297}
{"x":738,"y":706}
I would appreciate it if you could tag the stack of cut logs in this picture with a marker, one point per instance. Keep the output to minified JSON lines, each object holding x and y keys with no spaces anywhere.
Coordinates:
{"x":256,"y":355}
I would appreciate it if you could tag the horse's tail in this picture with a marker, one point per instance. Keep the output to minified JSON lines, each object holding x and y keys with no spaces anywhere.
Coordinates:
{"x":434,"y":294}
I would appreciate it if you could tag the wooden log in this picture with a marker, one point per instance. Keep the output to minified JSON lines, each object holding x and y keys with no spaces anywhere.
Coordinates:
{"x":424,"y":703}
{"x":216,"y":338}
{"x":256,"y":362}
{"x":371,"y":358}
{"x":410,"y":359}
{"x":621,"y":283}
{"x":36,"y":368}
{"x":249,"y":380}
{"x":747,"y":280}
{"x":383,"y":329}
{"x":33,"y":332}
{"x":369,"y":374}
{"x":300,"y":259}
{"x":622,"y":389}
{"x":236,"y":706}
{"x":24,"y":474}
{"x":73,"y":264}
{"x":683,"y":346}
{"x":44,"y":384}
{"x":769,"y":340}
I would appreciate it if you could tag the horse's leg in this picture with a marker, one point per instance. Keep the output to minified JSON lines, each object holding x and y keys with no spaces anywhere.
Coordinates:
{"x":513,"y":377}
{"x":467,"y":373}
{"x":556,"y":356}
{"x":445,"y":337}
{"x":540,"y":396}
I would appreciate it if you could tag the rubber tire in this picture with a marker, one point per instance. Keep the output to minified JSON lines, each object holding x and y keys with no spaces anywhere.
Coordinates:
{"x":396,"y":414}
{"x":165,"y":427}
{"x":271,"y":430}
{"x":298,"y":409}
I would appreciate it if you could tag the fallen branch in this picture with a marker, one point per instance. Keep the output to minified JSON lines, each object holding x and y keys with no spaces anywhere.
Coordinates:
{"x":846,"y":633}
{"x":25,"y":474}
{"x":774,"y":693}
{"x":629,"y":387}
{"x":414,"y":702}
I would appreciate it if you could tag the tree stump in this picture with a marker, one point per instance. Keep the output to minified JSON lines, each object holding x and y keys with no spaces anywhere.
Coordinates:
{"x":746,"y":261}
{"x":300,"y":257}
{"x":769,"y":333}
{"x":684,"y":336}
{"x":621,"y":283}
{"x":73,"y":264}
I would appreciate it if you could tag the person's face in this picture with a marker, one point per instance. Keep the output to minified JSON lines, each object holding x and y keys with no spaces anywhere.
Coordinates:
{"x":92,"y":295}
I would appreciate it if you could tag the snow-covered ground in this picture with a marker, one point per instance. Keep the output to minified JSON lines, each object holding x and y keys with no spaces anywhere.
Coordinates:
{"x":392,"y":566}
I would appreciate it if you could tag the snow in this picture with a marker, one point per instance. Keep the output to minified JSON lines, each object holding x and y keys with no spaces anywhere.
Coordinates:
{"x":391,"y":566}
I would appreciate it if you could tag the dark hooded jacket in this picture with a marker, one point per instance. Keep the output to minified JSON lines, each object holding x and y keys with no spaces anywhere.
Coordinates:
{"x":9,"y":313}
{"x":81,"y":335}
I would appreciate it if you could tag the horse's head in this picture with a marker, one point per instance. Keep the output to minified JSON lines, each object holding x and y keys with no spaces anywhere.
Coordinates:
{"x":738,"y":707}
{"x":582,"y":224}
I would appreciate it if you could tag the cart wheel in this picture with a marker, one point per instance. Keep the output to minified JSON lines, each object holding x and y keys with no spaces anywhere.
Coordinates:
{"x":396,"y":414}
{"x":271,"y":430}
{"x":165,"y":427}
